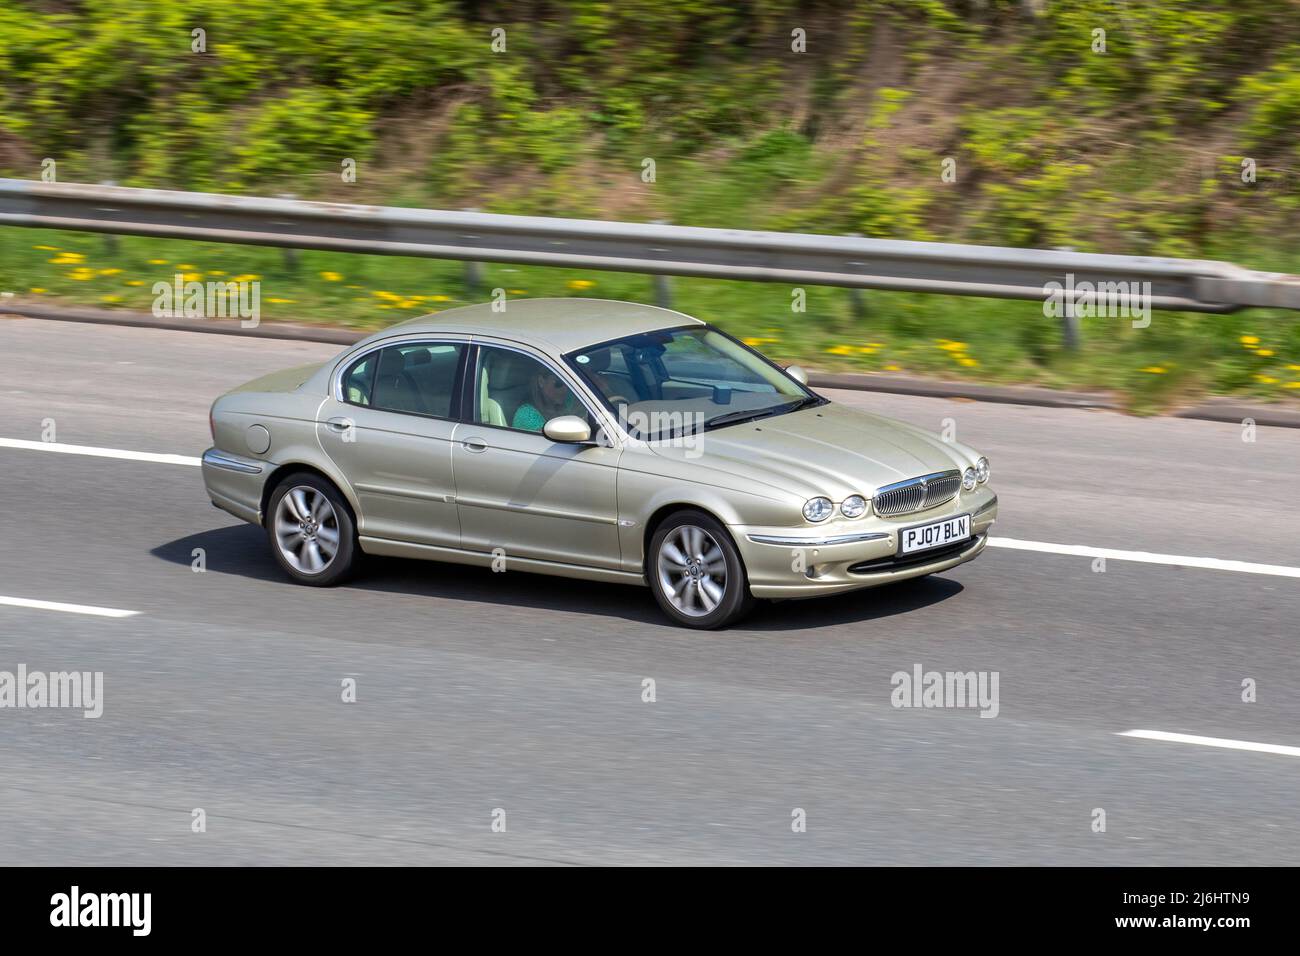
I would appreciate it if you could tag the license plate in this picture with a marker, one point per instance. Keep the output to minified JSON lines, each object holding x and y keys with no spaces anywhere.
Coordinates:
{"x":934,"y":535}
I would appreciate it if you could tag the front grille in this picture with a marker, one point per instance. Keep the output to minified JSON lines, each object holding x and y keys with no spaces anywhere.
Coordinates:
{"x":917,"y":494}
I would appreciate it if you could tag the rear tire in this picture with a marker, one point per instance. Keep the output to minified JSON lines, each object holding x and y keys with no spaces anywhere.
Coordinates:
{"x":313,"y":536}
{"x":696,"y":573}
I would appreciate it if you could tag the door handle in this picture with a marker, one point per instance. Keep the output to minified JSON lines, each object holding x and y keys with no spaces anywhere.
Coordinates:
{"x":474,"y":444}
{"x":339,"y":424}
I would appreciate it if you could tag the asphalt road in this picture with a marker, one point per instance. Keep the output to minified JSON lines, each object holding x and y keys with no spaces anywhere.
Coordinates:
{"x":479,"y":691}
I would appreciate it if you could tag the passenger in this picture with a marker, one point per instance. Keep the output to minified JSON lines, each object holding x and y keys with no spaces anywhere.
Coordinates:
{"x":549,"y":398}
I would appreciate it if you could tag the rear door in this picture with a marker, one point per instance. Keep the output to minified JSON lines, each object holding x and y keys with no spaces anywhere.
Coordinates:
{"x":389,"y":425}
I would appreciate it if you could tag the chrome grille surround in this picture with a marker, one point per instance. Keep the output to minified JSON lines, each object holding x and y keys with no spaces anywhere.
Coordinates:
{"x":916,"y":494}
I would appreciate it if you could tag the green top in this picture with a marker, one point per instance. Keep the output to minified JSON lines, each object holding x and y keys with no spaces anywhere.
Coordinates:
{"x":528,"y":418}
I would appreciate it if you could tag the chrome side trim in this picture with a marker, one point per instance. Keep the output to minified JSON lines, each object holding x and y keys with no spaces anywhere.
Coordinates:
{"x":794,"y":541}
{"x":219,"y":459}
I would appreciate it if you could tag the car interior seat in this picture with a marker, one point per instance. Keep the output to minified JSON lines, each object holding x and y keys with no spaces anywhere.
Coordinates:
{"x":510,"y":378}
{"x":395,"y":386}
{"x":489,"y":409}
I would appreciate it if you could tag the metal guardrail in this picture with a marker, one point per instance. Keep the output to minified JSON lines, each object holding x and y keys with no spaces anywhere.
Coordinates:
{"x":846,"y":261}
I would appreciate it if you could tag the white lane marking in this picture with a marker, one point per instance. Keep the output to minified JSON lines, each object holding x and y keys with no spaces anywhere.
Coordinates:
{"x":1212,"y":742}
{"x":67,"y":608}
{"x":1078,"y":550}
{"x":1147,"y":557}
{"x":63,"y":449}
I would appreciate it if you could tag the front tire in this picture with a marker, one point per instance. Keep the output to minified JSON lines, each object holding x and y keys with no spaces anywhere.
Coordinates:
{"x":312,"y":534}
{"x":696,"y":573}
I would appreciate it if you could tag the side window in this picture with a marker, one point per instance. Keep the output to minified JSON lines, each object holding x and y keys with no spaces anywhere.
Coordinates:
{"x":416,"y":378}
{"x":358,"y":381}
{"x":512,"y":390}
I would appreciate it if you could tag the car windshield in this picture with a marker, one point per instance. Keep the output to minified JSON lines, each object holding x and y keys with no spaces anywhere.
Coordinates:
{"x":677,"y":381}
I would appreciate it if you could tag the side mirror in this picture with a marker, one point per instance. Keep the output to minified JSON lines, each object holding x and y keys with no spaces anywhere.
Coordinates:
{"x":797,"y":373}
{"x":567,"y":428}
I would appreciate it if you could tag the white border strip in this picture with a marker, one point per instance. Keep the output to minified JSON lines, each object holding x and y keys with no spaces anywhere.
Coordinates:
{"x":66,"y":608}
{"x":1213,"y":742}
{"x":99,"y":452}
{"x":1146,"y":557}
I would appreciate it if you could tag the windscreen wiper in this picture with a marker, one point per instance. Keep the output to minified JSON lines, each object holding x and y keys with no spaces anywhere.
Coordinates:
{"x":733,"y":418}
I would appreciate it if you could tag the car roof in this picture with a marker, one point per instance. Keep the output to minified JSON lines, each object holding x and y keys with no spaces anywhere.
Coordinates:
{"x":560,"y":325}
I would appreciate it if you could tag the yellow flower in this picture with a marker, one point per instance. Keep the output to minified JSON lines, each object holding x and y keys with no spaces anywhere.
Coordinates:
{"x":331,"y":277}
{"x":1293,"y":368}
{"x":216,"y":272}
{"x":111,"y":298}
{"x":135,"y":282}
{"x":157,"y":262}
{"x":385,"y":295}
{"x":187,"y":268}
{"x":1264,"y":352}
{"x":245,"y":278}
{"x":37,"y":290}
{"x":1155,"y":369}
{"x":440,"y":298}
{"x":1266,"y":379}
{"x":839,"y":350}
{"x":280,"y":301}
{"x":522,"y":291}
{"x":192,"y":276}
{"x":892,"y":368}
{"x":47,"y":248}
{"x":109,"y":272}
{"x":1250,"y":341}
{"x":967,"y":361}
{"x":1292,"y":385}
{"x":580,"y":284}
{"x":876,"y":345}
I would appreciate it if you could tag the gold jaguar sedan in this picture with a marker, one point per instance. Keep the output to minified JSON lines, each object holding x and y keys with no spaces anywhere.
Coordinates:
{"x":591,"y":439}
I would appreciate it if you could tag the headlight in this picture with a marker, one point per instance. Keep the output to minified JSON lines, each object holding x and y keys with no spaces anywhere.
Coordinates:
{"x":982,"y":470}
{"x":854,"y":506}
{"x":968,"y":479}
{"x":818,"y":509}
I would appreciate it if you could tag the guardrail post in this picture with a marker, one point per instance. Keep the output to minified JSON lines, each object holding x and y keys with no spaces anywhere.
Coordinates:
{"x":110,"y":239}
{"x":473,"y":271}
{"x":663,"y":285}
{"x":290,"y":254}
{"x":857,"y":302}
{"x":1071,"y":334}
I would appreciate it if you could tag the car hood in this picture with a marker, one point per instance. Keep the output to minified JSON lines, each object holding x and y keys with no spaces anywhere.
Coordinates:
{"x":826,"y":450}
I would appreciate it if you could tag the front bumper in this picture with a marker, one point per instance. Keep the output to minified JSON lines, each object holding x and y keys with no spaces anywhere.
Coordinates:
{"x":848,"y":554}
{"x":234,"y":483}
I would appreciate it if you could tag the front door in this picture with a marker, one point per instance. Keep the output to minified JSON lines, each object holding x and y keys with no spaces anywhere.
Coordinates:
{"x":516,"y":489}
